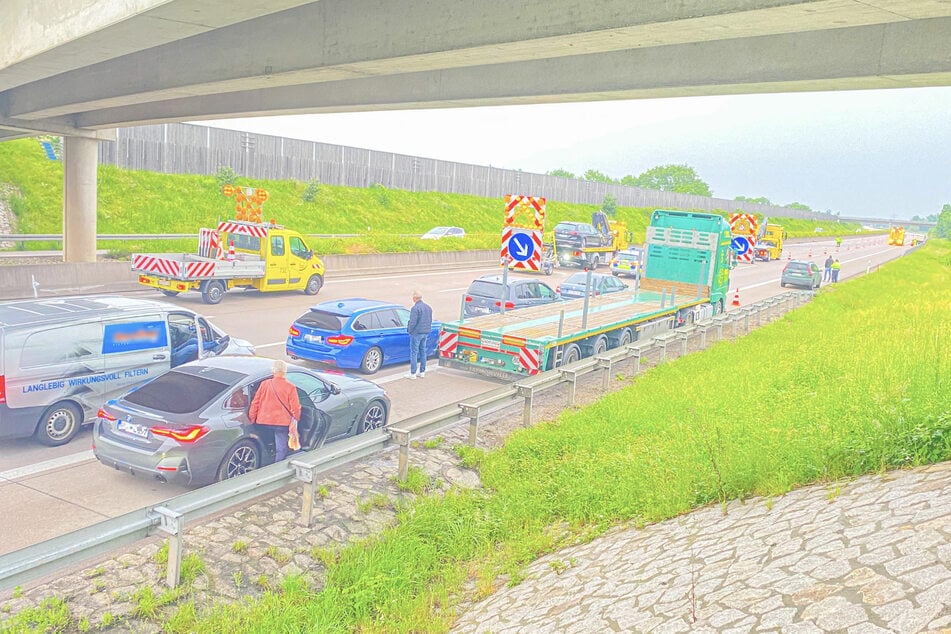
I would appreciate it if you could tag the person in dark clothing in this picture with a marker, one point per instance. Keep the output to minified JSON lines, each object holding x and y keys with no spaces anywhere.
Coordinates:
{"x":420,"y":323}
{"x":827,"y":274}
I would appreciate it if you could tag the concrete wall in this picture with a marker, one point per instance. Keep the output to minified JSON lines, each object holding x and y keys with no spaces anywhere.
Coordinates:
{"x":85,"y":278}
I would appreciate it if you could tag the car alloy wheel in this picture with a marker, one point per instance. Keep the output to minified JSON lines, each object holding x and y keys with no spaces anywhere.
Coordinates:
{"x":372,"y":360}
{"x":374,"y":417}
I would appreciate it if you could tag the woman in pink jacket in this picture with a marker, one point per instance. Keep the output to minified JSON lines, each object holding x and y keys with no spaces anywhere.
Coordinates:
{"x":276,"y":405}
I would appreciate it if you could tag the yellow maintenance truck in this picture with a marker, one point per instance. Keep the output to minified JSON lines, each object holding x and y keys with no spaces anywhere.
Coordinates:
{"x":239,"y":254}
{"x":769,"y":242}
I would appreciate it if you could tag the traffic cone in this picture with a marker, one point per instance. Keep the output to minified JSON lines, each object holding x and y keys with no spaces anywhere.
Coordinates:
{"x":231,"y":250}
{"x":736,"y":298}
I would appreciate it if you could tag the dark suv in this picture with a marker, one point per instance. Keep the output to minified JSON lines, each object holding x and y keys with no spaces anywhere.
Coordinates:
{"x":577,"y":235}
{"x":486,"y":294}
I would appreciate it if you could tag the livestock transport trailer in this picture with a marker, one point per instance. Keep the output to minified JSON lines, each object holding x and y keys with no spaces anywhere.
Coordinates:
{"x":686,"y":278}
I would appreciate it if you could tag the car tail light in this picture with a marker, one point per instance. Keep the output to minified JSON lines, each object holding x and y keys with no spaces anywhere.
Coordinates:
{"x":186,"y":435}
{"x":103,"y":414}
{"x":508,"y":305}
{"x":294,"y":332}
{"x":558,"y":288}
{"x":3,"y":389}
{"x":468,"y":298}
{"x":340,"y":340}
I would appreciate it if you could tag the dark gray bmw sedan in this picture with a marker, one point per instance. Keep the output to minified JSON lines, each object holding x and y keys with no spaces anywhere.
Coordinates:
{"x":190,"y":425}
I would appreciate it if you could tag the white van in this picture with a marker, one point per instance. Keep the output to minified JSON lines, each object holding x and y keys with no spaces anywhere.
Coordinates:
{"x":61,"y":359}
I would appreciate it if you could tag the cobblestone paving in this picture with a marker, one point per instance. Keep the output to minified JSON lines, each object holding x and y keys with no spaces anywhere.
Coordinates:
{"x":873,"y":555}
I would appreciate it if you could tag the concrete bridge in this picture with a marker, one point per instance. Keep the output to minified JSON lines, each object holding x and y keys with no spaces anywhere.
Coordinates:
{"x":81,"y":68}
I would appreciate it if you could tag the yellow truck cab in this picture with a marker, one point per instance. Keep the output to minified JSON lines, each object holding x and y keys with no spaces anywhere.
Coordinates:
{"x":769,"y":244}
{"x":264,"y":256}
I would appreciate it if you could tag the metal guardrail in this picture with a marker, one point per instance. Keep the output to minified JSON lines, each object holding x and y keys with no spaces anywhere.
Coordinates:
{"x":171,"y":516}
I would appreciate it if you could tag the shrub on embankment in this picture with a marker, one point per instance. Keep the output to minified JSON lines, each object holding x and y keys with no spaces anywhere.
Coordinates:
{"x":857,"y":381}
{"x":132,"y":201}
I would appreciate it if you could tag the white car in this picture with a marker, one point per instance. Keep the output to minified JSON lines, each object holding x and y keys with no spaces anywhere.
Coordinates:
{"x":444,"y":232}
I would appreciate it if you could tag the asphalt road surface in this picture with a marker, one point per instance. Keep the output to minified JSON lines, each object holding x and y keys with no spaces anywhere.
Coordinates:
{"x":49,"y":491}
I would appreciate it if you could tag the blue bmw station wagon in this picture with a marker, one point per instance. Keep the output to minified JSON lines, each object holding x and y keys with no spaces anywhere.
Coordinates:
{"x":356,"y":333}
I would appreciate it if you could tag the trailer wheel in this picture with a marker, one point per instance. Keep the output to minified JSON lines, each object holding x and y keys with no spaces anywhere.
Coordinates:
{"x":600,"y":346}
{"x":571,"y":354}
{"x":314,"y":284}
{"x":595,"y":261}
{"x":718,"y":307}
{"x":169,"y":293}
{"x":213,"y":292}
{"x":624,"y":338}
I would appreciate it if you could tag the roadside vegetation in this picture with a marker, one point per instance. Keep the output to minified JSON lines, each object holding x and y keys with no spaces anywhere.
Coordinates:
{"x":383,"y":220}
{"x":863,"y":386}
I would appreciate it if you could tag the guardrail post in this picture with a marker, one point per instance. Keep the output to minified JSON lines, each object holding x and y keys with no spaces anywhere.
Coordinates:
{"x":472,"y":412}
{"x":572,"y":377}
{"x":605,"y":364}
{"x":635,"y":350}
{"x":683,"y":339}
{"x":746,"y":318}
{"x":172,"y":523}
{"x":528,"y":393}
{"x":307,"y":475}
{"x":401,"y":437}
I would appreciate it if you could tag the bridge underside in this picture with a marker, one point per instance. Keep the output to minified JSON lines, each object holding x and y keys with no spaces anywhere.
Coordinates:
{"x":81,"y":68}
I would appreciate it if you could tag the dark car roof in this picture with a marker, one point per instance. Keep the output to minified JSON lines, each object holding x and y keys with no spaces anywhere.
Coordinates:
{"x":579,"y":277}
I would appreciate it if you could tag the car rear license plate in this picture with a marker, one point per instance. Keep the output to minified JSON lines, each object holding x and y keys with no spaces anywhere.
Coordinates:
{"x":142,"y":431}
{"x":313,"y":339}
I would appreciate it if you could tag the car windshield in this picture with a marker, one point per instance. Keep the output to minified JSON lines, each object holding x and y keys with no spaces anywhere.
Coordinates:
{"x":631,"y":253}
{"x":437,"y":231}
{"x":484,"y":288}
{"x":562,"y":227}
{"x":322,"y":320}
{"x":177,"y":393}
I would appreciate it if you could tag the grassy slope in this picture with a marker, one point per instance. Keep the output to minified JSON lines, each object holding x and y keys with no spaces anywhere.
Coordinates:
{"x":148,"y":202}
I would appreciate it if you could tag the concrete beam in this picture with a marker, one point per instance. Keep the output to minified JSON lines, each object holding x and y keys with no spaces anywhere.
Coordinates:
{"x":333,"y":40}
{"x":20,"y":128}
{"x":56,"y":36}
{"x":905,"y":54}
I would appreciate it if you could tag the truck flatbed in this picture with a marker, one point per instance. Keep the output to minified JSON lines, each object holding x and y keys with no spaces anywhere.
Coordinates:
{"x":188,"y":266}
{"x":651,"y":300}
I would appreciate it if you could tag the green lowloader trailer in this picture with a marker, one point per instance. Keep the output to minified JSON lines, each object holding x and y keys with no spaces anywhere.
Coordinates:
{"x":686,"y":279}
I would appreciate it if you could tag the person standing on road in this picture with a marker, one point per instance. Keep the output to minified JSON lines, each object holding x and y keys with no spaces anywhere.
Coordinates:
{"x":277,"y":406}
{"x":827,"y":274}
{"x":835,"y":270}
{"x":420,"y":323}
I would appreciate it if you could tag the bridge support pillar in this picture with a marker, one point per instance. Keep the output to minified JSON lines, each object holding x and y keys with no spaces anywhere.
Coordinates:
{"x":80,"y":165}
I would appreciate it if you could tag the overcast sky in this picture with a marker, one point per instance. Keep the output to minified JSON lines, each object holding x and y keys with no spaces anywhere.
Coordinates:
{"x":884,"y":153}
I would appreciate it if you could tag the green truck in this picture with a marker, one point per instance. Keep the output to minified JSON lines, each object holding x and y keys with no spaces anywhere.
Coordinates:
{"x":686,"y":279}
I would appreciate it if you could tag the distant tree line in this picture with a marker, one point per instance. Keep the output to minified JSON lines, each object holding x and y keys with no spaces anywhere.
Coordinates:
{"x":682,"y":179}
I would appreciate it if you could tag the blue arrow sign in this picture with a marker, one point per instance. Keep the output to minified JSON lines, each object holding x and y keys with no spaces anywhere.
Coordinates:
{"x":521,"y":247}
{"x":740,"y":244}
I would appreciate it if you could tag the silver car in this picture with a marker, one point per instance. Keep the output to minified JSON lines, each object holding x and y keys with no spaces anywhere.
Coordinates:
{"x":190,"y":425}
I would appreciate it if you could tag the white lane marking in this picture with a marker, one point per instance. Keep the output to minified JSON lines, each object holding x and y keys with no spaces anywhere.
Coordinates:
{"x":271,"y":345}
{"x":774,"y":280}
{"x":425,"y":274}
{"x":47,"y":465}
{"x":453,"y":290}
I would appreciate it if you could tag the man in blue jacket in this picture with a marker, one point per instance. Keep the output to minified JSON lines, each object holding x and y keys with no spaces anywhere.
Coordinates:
{"x":419,"y":326}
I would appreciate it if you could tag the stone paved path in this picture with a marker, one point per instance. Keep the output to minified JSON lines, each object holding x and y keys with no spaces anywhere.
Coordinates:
{"x":873,"y":555}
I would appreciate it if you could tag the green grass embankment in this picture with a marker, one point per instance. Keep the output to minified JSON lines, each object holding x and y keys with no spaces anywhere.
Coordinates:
{"x":131,"y":201}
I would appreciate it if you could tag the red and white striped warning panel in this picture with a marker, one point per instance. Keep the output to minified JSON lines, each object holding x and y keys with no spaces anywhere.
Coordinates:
{"x":447,"y":343}
{"x":199,"y":269}
{"x":155,"y":264}
{"x":744,"y":224}
{"x":258,"y":231}
{"x":529,"y":359}
{"x":209,"y":244}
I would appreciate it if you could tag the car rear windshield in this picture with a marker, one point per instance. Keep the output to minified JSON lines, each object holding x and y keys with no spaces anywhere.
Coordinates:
{"x":799,"y":267}
{"x":564,"y":227}
{"x":322,"y":320}
{"x":177,"y":393}
{"x":486,"y":289}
